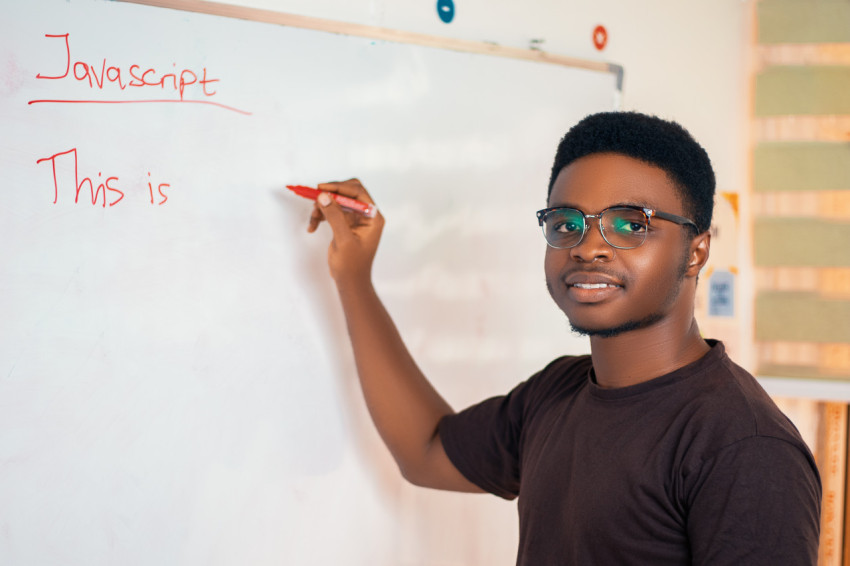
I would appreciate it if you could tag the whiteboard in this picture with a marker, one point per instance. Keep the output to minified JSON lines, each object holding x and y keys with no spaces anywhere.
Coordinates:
{"x":176,"y":385}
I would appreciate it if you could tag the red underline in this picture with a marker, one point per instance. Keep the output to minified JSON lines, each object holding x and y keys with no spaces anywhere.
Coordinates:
{"x":231,"y":108}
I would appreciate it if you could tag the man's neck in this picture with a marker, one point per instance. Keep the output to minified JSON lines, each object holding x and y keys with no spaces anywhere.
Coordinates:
{"x":640,"y":355}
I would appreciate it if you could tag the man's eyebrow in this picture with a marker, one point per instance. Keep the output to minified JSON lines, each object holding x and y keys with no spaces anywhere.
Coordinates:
{"x":639,"y":204}
{"x":627,"y":204}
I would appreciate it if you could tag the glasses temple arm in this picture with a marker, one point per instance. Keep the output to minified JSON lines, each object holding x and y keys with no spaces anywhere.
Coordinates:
{"x":671,"y":217}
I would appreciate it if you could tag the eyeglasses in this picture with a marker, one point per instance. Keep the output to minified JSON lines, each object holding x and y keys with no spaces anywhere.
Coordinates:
{"x":623,"y":227}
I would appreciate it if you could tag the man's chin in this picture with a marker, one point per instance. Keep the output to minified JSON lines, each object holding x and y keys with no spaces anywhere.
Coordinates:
{"x":613,"y":331}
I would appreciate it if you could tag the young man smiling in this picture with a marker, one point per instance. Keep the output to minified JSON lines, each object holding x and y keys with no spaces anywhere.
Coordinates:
{"x":656,"y":448}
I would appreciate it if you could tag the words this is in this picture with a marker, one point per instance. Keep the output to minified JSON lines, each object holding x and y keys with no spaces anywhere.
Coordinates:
{"x":104,"y":190}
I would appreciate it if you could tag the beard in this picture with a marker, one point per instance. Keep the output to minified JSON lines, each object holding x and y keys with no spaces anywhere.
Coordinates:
{"x":612,"y":331}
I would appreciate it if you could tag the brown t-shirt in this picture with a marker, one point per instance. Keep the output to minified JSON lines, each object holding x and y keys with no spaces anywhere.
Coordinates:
{"x":695,"y":467}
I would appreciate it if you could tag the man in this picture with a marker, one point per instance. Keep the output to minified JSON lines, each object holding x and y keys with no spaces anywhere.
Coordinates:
{"x":656,"y":448}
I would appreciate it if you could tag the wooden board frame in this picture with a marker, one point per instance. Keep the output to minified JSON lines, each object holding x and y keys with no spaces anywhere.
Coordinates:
{"x":385,"y":34}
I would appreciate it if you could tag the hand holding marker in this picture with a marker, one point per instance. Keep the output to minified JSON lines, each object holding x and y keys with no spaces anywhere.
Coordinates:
{"x":366,"y":209}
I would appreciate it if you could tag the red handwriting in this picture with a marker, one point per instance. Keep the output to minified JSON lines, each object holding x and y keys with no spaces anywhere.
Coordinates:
{"x":151,"y":101}
{"x":104,"y":190}
{"x":149,"y":77}
{"x":160,"y":190}
{"x":104,"y":77}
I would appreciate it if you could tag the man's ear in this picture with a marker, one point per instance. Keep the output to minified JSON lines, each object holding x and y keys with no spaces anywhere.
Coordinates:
{"x":698,"y":253}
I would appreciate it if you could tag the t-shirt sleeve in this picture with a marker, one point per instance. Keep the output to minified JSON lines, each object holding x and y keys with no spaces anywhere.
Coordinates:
{"x":483,"y":441}
{"x":757,"y":502}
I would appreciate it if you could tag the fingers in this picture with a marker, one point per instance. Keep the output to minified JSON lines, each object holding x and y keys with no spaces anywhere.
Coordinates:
{"x":351,"y":188}
{"x":335,"y":216}
{"x":316,"y":218}
{"x":355,"y":235}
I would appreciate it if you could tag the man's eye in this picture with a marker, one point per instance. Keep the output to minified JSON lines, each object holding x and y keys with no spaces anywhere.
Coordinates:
{"x":627,"y":226}
{"x":566,"y":227}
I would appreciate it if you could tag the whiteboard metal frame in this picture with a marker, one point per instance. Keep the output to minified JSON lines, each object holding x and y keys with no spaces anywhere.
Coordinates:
{"x":386,"y":34}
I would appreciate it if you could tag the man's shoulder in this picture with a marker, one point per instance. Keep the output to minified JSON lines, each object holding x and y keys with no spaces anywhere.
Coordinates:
{"x":561,"y":377}
{"x":567,"y":365}
{"x":565,"y":369}
{"x":730,"y":405}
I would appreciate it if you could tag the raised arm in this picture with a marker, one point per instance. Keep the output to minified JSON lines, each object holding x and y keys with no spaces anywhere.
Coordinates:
{"x":404,"y":406}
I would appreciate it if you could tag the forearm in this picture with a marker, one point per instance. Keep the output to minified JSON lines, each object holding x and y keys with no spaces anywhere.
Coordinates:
{"x":406,"y":409}
{"x":402,"y":403}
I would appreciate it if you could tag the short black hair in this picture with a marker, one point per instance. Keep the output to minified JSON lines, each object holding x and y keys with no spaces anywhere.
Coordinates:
{"x":664,"y":144}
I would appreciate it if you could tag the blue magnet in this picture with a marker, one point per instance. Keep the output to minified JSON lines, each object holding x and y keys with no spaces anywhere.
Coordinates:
{"x":446,"y":10}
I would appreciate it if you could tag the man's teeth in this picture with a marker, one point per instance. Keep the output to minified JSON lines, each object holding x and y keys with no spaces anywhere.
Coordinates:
{"x":593,"y":285}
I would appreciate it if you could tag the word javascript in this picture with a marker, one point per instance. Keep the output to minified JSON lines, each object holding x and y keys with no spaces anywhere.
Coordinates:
{"x":133,"y":76}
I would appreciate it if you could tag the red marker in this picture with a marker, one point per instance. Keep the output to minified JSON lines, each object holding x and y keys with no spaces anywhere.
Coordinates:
{"x":364,"y":208}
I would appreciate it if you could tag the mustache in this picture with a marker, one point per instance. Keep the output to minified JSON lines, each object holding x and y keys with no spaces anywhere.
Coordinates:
{"x":603,"y":272}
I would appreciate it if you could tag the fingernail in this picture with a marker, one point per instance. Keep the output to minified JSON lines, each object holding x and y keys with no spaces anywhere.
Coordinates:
{"x":324,"y":199}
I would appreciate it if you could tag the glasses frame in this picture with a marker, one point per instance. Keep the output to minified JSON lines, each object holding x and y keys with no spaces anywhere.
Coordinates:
{"x":650,"y":213}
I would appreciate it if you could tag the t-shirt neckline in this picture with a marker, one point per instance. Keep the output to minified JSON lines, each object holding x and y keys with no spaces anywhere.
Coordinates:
{"x":714,"y":356}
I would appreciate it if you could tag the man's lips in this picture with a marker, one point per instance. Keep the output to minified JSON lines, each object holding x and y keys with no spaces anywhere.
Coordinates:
{"x":592,"y":287}
{"x":591,"y":280}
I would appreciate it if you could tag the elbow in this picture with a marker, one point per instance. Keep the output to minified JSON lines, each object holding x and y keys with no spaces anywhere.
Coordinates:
{"x":426,"y":465}
{"x":413,"y":474}
{"x":421,"y":472}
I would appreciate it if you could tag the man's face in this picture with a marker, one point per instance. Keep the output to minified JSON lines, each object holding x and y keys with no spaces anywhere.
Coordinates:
{"x":605,"y":291}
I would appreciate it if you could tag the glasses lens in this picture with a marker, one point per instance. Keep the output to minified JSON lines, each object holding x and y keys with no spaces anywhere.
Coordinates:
{"x":624,"y":227}
{"x":563,"y":227}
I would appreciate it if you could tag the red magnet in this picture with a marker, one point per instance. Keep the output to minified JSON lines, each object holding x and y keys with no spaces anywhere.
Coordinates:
{"x":600,"y":37}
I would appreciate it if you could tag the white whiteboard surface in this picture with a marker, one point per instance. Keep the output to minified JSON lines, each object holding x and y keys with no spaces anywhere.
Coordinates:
{"x":176,"y":385}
